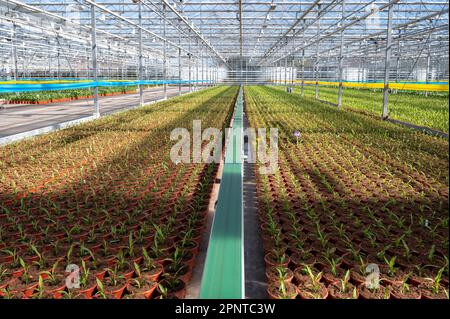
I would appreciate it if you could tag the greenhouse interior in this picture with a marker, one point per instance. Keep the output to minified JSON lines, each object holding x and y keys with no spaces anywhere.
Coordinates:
{"x":234,"y":149}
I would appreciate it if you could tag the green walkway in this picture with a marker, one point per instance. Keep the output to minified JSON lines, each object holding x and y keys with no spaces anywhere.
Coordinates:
{"x":223,"y":275}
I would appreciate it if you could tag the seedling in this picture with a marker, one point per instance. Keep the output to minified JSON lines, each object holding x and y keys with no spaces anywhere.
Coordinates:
{"x":282,"y":273}
{"x":345,"y":282}
{"x":315,"y":279}
{"x":51,"y":275}
{"x":130,"y":248}
{"x":4,"y":272}
{"x":431,"y":253}
{"x":84,"y":276}
{"x":333,"y":263}
{"x":100,"y":289}
{"x":40,"y":288}
{"x":405,"y":287}
{"x":25,"y":275}
{"x":436,"y":281}
{"x":163,"y":291}
{"x":15,"y":257}
{"x":391,"y":265}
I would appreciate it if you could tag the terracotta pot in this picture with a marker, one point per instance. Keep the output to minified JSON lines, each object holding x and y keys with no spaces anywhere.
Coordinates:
{"x":305,"y":292}
{"x":56,"y":292}
{"x":270,"y":261}
{"x":100,"y":274}
{"x":396,"y":293}
{"x":29,"y":291}
{"x":148,"y":293}
{"x":273,"y":276}
{"x":18,"y":273}
{"x":6,"y":259}
{"x":2,"y":287}
{"x":382,"y":293}
{"x":334,"y":291}
{"x":178,"y":292}
{"x":330,"y":279}
{"x":155,"y":273}
{"x":88,"y":292}
{"x":427,"y":293}
{"x":117,"y":293}
{"x":186,"y":277}
{"x":273,"y":290}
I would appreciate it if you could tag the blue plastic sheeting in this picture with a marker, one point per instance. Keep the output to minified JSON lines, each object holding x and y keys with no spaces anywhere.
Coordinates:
{"x":11,"y":88}
{"x":401,"y":82}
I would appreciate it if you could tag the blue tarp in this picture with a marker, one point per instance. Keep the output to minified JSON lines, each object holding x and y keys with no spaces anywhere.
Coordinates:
{"x":11,"y":88}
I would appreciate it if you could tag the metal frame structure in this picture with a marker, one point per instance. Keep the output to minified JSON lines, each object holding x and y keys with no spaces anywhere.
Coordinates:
{"x":262,"y":32}
{"x":230,"y":41}
{"x":200,"y":43}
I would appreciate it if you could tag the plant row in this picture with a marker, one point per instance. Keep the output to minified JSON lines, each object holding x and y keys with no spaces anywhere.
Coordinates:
{"x":101,"y":205}
{"x":430,"y":110}
{"x":45,"y":97}
{"x":352,"y":197}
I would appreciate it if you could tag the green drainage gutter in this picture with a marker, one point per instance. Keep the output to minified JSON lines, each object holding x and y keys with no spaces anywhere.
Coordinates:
{"x":223,"y":275}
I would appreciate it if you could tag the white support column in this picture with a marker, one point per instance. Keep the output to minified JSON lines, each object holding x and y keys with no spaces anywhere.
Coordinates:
{"x":189,"y":66}
{"x":207,"y":73}
{"x":397,"y":67}
{"x":203,"y":66}
{"x":387,"y":62}
{"x":179,"y":71}
{"x":341,"y":57}
{"x":274,"y":75}
{"x":302,"y":89}
{"x":165,"y":53}
{"x":196,"y":75}
{"x":285,"y":73}
{"x":190,"y":69}
{"x":428,"y":71}
{"x":14,"y":54}
{"x":58,"y":60}
{"x":88,"y":64}
{"x":293,"y":61}
{"x":141,"y":68}
{"x":317,"y":52}
{"x":279,"y":72}
{"x":292,"y":72}
{"x":246,"y":72}
{"x":94,"y":62}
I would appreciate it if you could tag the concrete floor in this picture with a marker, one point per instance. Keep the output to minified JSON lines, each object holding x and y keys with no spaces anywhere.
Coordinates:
{"x":16,"y":119}
{"x":255,"y":268}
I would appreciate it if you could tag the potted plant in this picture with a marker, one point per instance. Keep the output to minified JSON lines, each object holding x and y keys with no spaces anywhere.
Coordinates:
{"x":151,"y":268}
{"x":343,"y":289}
{"x":54,"y":282}
{"x":277,"y":257}
{"x":282,"y":290}
{"x":177,"y":267}
{"x":404,"y":290}
{"x":432,"y":288}
{"x":114,"y":284}
{"x":374,"y":291}
{"x":311,"y":287}
{"x":142,"y":284}
{"x":5,"y":276}
{"x":274,"y":274}
{"x":171,"y":286}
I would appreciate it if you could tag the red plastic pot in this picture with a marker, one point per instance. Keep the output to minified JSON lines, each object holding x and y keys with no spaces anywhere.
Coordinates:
{"x":56,"y":292}
{"x":89,"y":292}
